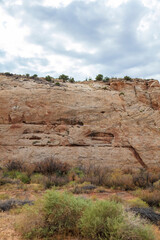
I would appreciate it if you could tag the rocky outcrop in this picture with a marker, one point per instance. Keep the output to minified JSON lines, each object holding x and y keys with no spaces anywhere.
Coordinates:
{"x":114,"y":124}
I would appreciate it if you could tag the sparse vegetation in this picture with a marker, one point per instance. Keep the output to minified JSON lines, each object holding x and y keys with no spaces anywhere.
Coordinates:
{"x":64,"y":77}
{"x":8,"y":74}
{"x":34,"y":76}
{"x":106,"y":79}
{"x":71,"y":80}
{"x":62,"y":213}
{"x":127,"y":78}
{"x":27,"y":75}
{"x":99,"y":77}
{"x":150,"y":196}
{"x":57,"y":84}
{"x":48,"y":78}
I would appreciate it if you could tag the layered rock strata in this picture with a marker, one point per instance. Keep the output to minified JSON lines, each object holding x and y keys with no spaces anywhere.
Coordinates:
{"x":114,"y":124}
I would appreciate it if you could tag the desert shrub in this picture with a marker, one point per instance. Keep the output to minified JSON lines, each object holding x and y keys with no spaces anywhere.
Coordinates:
{"x":107,"y":220}
{"x":127,"y":78}
{"x":99,"y":77}
{"x":14,"y":165}
{"x":4,"y":196}
{"x":134,"y":228}
{"x":75,"y":174}
{"x":152,"y":197}
{"x":27,"y":75}
{"x":106,"y":79}
{"x":31,"y":223}
{"x":57,"y":84}
{"x":63,"y":211}
{"x":94,"y":174}
{"x":17,"y":175}
{"x":100,"y":219}
{"x":64,"y":77}
{"x":137,"y":202}
{"x":48,"y":78}
{"x":141,"y":179}
{"x":54,"y":180}
{"x":120,"y":180}
{"x":156,"y":185}
{"x":154,"y":175}
{"x":116,"y":198}
{"x":71,"y":80}
{"x":83,"y":188}
{"x":34,"y":76}
{"x":37,"y":178}
{"x":50,"y":166}
{"x":8,"y":74}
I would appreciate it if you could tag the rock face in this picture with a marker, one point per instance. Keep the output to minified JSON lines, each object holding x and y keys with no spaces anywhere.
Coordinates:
{"x":115,"y":124}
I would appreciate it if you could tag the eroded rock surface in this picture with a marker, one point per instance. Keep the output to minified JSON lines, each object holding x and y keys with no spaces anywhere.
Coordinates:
{"x":115,"y":124}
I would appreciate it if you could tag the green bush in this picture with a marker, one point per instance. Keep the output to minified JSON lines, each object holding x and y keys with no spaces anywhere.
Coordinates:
{"x":127,"y":78}
{"x":101,"y":219}
{"x":152,"y":197}
{"x":137,"y":202}
{"x":106,"y":79}
{"x":34,"y":76}
{"x":107,"y":220}
{"x":157,"y":185}
{"x":99,"y":77}
{"x":48,"y":78}
{"x":71,"y":80}
{"x":8,"y":74}
{"x":57,"y":84}
{"x":64,"y":77}
{"x":27,"y":75}
{"x":17,"y":175}
{"x":37,"y":178}
{"x":63,"y":211}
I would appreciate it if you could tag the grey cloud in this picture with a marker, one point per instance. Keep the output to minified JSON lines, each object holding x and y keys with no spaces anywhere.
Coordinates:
{"x":112,"y":31}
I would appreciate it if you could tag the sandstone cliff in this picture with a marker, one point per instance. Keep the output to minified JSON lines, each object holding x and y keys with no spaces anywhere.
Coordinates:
{"x":115,"y":124}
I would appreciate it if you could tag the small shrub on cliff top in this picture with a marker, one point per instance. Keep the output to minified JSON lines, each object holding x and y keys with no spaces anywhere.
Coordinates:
{"x":127,"y":78}
{"x":106,"y":79}
{"x":99,"y":77}
{"x":64,"y":77}
{"x":48,"y":78}
{"x":8,"y":74}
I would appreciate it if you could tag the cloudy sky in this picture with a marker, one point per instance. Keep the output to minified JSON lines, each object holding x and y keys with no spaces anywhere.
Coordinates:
{"x":80,"y":38}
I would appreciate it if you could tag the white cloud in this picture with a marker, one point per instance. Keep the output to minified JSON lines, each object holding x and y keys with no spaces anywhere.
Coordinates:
{"x":56,"y":3}
{"x":81,"y":37}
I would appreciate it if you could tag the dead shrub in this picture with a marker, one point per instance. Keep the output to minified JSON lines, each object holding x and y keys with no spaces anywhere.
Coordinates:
{"x":120,"y":180}
{"x":50,"y":165}
{"x":95,"y":174}
{"x":15,"y":165}
{"x":152,"y":197}
{"x":141,"y":179}
{"x":54,"y":180}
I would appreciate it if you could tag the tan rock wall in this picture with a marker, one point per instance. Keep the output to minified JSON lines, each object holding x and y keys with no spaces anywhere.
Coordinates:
{"x":115,"y":125}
